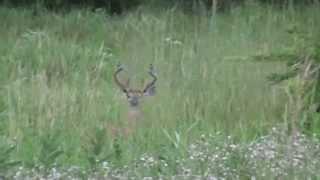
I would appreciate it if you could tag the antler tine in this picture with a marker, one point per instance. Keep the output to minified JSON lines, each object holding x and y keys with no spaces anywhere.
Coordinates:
{"x":122,"y":86}
{"x":154,"y":76}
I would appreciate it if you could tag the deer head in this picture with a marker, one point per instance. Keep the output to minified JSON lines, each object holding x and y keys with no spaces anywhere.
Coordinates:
{"x":134,"y":95}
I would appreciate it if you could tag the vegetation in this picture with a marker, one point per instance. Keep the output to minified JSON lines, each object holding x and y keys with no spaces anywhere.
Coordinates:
{"x":214,"y":112}
{"x":120,"y":6}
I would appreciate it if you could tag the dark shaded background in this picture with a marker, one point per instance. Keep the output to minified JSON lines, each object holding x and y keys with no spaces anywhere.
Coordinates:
{"x":120,"y":6}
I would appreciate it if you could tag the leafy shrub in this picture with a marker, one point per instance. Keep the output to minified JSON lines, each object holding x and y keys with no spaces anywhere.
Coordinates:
{"x":302,"y":80}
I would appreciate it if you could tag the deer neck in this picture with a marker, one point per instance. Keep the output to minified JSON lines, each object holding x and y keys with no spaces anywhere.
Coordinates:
{"x":134,"y":109}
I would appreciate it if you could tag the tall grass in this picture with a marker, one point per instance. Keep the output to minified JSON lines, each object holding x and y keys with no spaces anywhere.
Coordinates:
{"x":58,"y":99}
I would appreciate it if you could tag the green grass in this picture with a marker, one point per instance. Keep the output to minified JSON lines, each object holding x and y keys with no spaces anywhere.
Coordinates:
{"x":58,"y":99}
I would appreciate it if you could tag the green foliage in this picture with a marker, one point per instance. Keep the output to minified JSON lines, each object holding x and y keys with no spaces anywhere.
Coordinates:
{"x":58,"y":98}
{"x":50,"y":149}
{"x":304,"y":66}
{"x":6,"y":151}
{"x":95,"y":148}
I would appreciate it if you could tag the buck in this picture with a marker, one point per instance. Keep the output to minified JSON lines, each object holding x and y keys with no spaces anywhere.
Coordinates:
{"x":134,"y":96}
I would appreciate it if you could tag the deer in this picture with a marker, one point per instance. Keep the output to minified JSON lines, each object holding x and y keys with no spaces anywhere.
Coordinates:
{"x":135,"y":96}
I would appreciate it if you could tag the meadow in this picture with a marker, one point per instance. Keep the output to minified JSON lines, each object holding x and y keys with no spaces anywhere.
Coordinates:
{"x":215,"y":115}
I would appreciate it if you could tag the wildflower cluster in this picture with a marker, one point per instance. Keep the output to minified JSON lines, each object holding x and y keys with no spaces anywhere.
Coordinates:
{"x":274,"y":156}
{"x":278,"y":155}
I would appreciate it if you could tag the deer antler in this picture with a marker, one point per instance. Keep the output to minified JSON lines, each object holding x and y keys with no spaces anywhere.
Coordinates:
{"x":151,"y":85}
{"x":122,"y":86}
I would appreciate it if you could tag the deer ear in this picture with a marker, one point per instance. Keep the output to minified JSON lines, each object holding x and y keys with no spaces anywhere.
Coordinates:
{"x":151,"y":91}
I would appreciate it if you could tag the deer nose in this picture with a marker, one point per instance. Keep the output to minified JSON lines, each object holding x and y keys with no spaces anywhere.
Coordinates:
{"x":134,"y":101}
